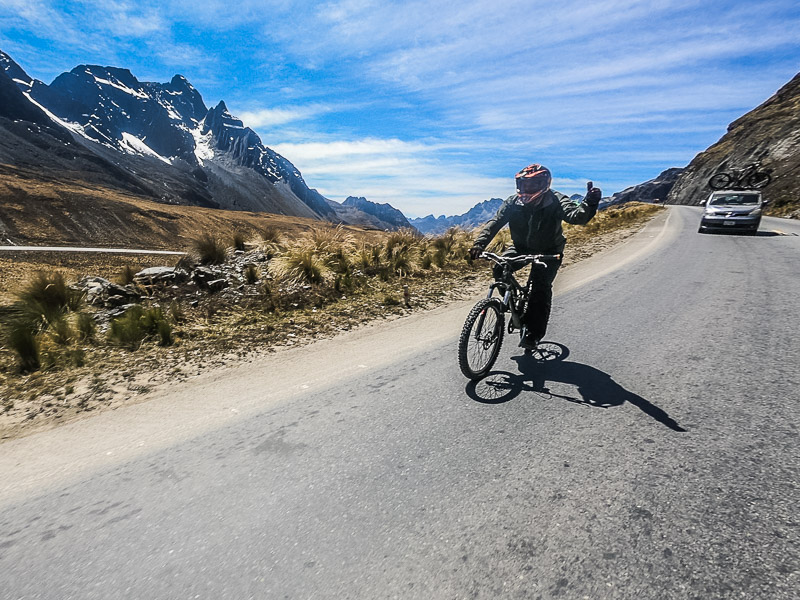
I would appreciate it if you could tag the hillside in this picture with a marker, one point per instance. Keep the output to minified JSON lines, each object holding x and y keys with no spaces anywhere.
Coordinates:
{"x":37,"y":210}
{"x":770,"y":134}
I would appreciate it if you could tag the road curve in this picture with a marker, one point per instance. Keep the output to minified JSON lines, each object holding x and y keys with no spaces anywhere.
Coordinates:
{"x":657,"y":459}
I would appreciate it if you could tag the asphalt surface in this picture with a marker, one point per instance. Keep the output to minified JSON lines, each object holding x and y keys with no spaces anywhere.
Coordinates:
{"x":655,"y":457}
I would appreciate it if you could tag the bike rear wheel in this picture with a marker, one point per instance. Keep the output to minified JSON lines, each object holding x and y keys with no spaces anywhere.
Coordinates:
{"x":720,"y":181}
{"x":757,"y":180}
{"x":481,"y":338}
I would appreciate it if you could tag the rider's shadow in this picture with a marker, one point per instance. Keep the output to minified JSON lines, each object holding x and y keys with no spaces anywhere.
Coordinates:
{"x":548,"y":369}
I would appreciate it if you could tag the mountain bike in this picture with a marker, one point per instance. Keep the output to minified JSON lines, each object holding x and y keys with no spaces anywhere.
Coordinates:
{"x":752,"y":177}
{"x":482,"y":334}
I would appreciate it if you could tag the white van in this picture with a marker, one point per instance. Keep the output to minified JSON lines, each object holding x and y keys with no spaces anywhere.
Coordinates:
{"x":732,"y":210}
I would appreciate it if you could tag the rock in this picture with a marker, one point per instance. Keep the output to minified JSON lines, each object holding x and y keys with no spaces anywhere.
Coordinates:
{"x":101,"y":291}
{"x":203,"y":275}
{"x":160,"y":275}
{"x":217,"y":285}
{"x":94,"y":287}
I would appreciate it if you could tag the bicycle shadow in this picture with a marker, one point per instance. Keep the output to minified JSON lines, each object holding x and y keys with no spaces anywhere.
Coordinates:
{"x":594,"y":387}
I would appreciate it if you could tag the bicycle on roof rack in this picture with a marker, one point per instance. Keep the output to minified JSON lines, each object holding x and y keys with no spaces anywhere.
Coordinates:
{"x":482,"y":334}
{"x":751,"y":177}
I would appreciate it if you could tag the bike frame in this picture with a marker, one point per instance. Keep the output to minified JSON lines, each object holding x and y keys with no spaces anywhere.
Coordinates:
{"x":514,"y":296}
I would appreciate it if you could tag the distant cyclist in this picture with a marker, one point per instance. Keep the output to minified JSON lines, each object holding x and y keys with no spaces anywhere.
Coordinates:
{"x":534,"y":216}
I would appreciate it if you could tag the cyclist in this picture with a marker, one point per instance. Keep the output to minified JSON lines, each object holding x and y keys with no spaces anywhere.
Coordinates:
{"x":534,"y":216}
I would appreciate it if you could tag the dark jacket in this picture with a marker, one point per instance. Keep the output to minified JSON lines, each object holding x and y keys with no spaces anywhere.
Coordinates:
{"x":537,"y":229}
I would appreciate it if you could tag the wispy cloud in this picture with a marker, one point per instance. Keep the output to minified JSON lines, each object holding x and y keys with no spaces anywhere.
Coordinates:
{"x":270,"y":117}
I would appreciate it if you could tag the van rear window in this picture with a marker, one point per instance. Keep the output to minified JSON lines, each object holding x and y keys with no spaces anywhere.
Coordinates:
{"x":728,"y":199}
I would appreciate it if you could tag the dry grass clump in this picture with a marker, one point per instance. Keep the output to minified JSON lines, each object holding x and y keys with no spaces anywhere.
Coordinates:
{"x":501,"y":242}
{"x":40,"y":315}
{"x":139,"y":323}
{"x":125,"y":276}
{"x":210,"y":250}
{"x":238,"y":241}
{"x":316,"y":257}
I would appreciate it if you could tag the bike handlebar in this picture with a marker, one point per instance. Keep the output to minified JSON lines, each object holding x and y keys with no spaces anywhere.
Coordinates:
{"x":522,"y":258}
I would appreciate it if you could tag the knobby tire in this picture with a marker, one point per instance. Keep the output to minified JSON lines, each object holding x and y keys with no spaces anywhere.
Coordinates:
{"x":481,"y":338}
{"x":757,"y":180}
{"x":720,"y":181}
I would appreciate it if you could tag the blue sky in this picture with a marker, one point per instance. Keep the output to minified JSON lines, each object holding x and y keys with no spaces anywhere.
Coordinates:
{"x":433,"y":105}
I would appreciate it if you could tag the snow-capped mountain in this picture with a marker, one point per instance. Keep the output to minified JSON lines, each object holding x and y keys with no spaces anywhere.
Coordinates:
{"x":164,"y":137}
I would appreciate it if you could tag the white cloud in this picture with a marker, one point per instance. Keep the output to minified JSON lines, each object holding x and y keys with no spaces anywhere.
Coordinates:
{"x":270,"y":117}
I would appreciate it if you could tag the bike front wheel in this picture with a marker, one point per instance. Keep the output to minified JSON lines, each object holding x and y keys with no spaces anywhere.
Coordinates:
{"x":481,"y":338}
{"x":720,"y":181}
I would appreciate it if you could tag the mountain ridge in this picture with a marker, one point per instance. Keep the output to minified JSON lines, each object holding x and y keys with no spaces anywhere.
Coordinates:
{"x":156,"y":139}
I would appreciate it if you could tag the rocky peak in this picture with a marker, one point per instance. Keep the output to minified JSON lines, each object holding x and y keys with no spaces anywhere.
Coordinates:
{"x":384,"y":212}
{"x":14,"y":71}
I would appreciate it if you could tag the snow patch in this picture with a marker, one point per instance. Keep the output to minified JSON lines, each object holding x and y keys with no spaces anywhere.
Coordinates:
{"x":124,"y":88}
{"x":133,"y":145}
{"x":173,"y":114}
{"x":202,"y":145}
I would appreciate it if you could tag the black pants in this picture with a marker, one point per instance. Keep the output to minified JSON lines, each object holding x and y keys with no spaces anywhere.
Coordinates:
{"x":540,"y":298}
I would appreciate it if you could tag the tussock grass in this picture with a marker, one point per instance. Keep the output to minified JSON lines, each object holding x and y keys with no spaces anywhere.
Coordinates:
{"x":137,"y":324}
{"x":238,"y":241}
{"x":61,"y":332}
{"x":23,"y":342}
{"x":210,"y":250}
{"x":86,"y":327}
{"x":251,"y":274}
{"x":301,"y":264}
{"x":46,"y":298}
{"x":501,"y":242}
{"x":125,"y":276}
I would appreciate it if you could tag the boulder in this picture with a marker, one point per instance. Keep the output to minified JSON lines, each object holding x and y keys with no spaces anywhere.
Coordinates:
{"x":102,"y":292}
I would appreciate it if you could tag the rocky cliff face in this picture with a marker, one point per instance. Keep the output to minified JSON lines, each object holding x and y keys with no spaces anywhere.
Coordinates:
{"x":474,"y":217}
{"x":158,"y":138}
{"x":655,"y":190}
{"x":769,"y":134}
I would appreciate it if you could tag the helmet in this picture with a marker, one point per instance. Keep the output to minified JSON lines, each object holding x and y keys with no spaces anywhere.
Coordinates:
{"x":533,"y":181}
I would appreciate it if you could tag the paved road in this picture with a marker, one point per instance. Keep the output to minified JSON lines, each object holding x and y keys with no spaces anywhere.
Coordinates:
{"x":657,"y":459}
{"x":90,"y":250}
